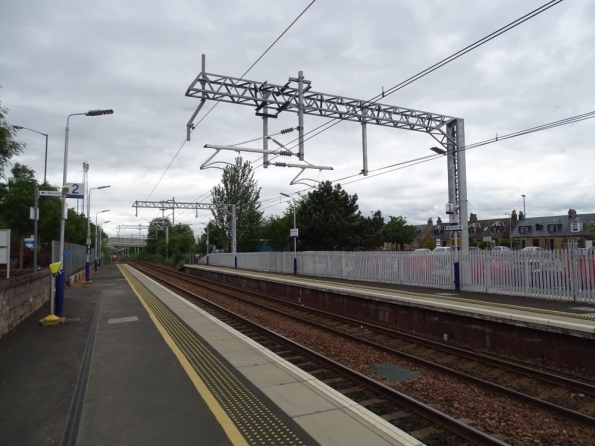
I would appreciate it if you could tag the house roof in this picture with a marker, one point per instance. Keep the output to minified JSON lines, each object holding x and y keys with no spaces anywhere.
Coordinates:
{"x":553,"y":226}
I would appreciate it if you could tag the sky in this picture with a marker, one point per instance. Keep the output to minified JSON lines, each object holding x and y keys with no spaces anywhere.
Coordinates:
{"x":138,"y":58}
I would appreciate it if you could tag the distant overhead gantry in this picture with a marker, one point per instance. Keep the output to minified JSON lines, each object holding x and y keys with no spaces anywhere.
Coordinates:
{"x":173,"y":204}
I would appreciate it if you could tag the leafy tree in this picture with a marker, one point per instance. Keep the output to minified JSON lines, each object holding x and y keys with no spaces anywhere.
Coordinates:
{"x":327,"y":219}
{"x":275,"y":230}
{"x":398,"y":231}
{"x":9,"y":147}
{"x":370,"y":231}
{"x":16,"y":196}
{"x":429,"y":243}
{"x":591,"y":226}
{"x":238,"y":187}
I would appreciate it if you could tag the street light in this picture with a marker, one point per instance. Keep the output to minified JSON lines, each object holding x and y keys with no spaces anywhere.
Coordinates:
{"x":97,"y":213}
{"x":510,"y":229}
{"x":87,"y":265}
{"x":36,"y":197}
{"x":64,"y":210}
{"x":100,"y":237}
{"x":294,"y":235}
{"x":524,"y":220}
{"x":45,"y":168}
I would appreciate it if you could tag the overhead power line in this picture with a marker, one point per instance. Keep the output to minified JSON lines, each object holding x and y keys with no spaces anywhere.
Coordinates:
{"x":245,"y":73}
{"x":333,"y":122}
{"x":412,"y":162}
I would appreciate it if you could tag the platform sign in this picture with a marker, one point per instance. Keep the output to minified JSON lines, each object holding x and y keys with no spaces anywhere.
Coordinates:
{"x":50,"y":193}
{"x":66,"y":254}
{"x":74,"y":190}
{"x":5,"y":250}
{"x":454,"y":228}
{"x":294,"y":232}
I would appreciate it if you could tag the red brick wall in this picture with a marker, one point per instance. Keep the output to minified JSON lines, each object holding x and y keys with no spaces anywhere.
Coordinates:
{"x":20,"y":297}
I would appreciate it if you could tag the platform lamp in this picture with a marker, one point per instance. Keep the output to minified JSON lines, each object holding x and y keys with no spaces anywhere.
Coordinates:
{"x":100,"y":238}
{"x":87,"y":265}
{"x":36,"y":196}
{"x":294,"y":234}
{"x":96,"y":214}
{"x":64,"y":211}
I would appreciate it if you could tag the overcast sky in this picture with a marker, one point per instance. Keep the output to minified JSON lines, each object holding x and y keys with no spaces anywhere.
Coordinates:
{"x":138,"y":58}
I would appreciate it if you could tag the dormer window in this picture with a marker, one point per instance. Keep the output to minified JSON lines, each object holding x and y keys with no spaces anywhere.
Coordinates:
{"x":522,"y":229}
{"x":474,"y":228}
{"x":552,"y":227}
{"x":576,"y":226}
{"x":497,"y":227}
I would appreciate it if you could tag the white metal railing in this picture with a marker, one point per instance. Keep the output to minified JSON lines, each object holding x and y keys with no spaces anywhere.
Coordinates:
{"x":560,"y":275}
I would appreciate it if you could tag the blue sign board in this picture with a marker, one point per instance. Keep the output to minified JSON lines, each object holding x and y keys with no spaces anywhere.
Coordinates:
{"x":66,"y":253}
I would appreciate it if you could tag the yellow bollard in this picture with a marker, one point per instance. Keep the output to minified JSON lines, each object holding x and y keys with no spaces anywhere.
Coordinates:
{"x":52,"y":319}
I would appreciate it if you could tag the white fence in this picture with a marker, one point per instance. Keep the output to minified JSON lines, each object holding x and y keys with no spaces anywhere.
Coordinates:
{"x":560,"y":275}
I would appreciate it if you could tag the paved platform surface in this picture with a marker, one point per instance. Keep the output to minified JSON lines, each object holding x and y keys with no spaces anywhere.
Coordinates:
{"x":135,"y":364}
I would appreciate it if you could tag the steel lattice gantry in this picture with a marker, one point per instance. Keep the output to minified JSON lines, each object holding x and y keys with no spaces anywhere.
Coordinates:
{"x":296,"y":96}
{"x":172,"y":204}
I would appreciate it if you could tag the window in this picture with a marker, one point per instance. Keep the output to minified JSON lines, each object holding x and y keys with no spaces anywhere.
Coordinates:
{"x":472,"y":231}
{"x":576,"y":226}
{"x":572,"y":243}
{"x":522,"y":229}
{"x":552,"y":227}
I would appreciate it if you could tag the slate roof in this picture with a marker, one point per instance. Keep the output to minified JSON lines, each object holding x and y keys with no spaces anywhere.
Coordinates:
{"x":553,"y":226}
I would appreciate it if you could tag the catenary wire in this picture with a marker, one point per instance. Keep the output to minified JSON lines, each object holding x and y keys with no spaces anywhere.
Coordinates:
{"x":245,"y":73}
{"x":333,"y":122}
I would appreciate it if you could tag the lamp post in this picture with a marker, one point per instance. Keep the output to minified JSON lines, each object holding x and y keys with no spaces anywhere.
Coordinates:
{"x":64,"y":210}
{"x":96,"y":232}
{"x":45,"y":168}
{"x":510,"y":229}
{"x":294,"y":234}
{"x":100,"y":238}
{"x":524,"y":219}
{"x":36,"y":197}
{"x":87,"y":264}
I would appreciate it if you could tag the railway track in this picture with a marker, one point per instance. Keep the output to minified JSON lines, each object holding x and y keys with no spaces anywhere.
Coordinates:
{"x":536,"y":388}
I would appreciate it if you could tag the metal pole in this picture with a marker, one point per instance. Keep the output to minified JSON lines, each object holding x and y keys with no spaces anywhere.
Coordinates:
{"x":301,"y":114}
{"x":95,"y":253}
{"x":87,"y":264}
{"x":294,"y":241}
{"x":365,"y":147}
{"x":233,"y":228}
{"x":35,"y":217}
{"x":45,"y":166}
{"x":207,"y":240}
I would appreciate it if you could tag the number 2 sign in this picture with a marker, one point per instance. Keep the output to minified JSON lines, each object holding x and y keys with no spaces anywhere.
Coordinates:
{"x":75,"y":190}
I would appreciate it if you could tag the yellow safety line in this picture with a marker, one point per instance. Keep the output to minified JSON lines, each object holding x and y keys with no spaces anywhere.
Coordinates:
{"x":433,"y":296}
{"x":228,"y":426}
{"x":252,"y":418}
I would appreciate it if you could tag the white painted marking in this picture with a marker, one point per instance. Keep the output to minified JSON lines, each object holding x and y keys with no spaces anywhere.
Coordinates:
{"x":445,"y":294}
{"x":122,"y":319}
{"x":586,"y":309}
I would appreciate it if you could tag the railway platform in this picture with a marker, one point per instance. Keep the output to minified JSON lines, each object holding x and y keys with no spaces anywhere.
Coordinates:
{"x":136,"y":364}
{"x":553,"y":331}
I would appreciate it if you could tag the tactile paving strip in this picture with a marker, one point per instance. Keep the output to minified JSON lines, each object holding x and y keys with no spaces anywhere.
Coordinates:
{"x":254,"y":420}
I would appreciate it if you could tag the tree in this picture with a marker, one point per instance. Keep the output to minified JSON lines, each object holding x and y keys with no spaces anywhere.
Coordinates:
{"x":398,"y":231}
{"x":429,"y":243}
{"x":370,"y":231}
{"x":238,"y":187}
{"x":327,"y":219}
{"x":9,"y":147}
{"x":275,"y":231}
{"x":591,"y":226}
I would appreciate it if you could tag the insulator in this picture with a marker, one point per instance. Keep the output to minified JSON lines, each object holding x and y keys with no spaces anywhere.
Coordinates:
{"x":284,"y":131}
